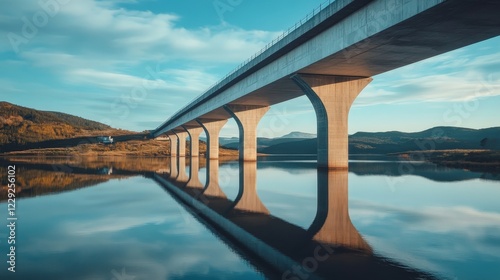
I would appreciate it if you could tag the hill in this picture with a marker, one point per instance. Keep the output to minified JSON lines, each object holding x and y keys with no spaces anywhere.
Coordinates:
{"x":299,"y":135}
{"x":29,"y":132}
{"x":21,"y":125}
{"x":438,"y":138}
{"x":262,"y":142}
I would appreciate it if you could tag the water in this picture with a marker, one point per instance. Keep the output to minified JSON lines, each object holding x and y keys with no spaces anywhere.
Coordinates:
{"x":120,"y":219}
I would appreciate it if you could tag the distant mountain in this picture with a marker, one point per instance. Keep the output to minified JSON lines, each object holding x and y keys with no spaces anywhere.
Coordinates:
{"x":21,"y":125}
{"x":438,"y":138}
{"x":262,"y":142}
{"x":299,"y":135}
{"x":228,"y":140}
{"x":296,"y":146}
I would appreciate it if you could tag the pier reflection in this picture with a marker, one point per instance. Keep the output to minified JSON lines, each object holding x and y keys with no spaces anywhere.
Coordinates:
{"x":332,"y":223}
{"x":330,"y":248}
{"x":174,"y":171}
{"x":182,"y":176}
{"x":247,"y":198}
{"x":194,"y":179}
{"x":212,"y":187}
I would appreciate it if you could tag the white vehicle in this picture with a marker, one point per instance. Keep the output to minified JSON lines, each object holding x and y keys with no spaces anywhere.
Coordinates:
{"x":105,"y":139}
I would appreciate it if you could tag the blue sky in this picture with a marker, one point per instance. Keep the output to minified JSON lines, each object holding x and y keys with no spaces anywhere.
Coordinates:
{"x":93,"y":59}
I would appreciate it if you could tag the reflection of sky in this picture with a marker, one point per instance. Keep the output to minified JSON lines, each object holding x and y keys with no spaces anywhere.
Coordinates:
{"x":449,"y":228}
{"x":128,"y":224}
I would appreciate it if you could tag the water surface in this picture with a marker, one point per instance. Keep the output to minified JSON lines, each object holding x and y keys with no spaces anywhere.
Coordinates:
{"x":107,"y":219}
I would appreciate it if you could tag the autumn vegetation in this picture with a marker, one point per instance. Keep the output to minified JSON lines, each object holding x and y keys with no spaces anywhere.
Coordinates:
{"x":30,"y":132}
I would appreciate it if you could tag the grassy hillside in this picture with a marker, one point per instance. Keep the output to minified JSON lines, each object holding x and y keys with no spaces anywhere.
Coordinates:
{"x":141,"y":148}
{"x":25,"y":128}
{"x":20,"y":125}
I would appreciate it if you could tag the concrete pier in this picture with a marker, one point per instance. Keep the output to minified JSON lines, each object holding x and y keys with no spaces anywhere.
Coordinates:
{"x":247,"y":117}
{"x":212,"y":129}
{"x":332,"y":97}
{"x":182,"y":135}
{"x":194,"y":140}
{"x":174,"y":143}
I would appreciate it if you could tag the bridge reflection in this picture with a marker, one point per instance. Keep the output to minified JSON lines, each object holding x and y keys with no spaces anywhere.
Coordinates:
{"x":330,"y":248}
{"x":212,"y":187}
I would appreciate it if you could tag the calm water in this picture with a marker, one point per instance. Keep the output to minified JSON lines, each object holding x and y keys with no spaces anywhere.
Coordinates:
{"x":119,"y":219}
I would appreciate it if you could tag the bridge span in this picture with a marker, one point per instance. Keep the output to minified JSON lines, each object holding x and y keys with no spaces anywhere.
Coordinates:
{"x":330,"y":58}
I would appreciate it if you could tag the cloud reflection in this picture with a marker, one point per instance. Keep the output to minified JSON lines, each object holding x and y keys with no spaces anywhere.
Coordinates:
{"x":142,"y":231}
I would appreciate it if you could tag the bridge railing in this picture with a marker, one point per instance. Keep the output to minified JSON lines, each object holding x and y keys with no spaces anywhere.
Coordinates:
{"x":275,"y":41}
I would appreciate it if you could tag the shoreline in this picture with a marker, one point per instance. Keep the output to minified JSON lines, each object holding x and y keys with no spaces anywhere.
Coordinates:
{"x":484,"y":160}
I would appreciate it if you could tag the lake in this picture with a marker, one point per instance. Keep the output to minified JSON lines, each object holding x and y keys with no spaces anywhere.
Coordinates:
{"x":279,"y":218}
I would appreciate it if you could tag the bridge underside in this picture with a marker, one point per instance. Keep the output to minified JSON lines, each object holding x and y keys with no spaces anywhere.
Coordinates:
{"x":437,"y":27}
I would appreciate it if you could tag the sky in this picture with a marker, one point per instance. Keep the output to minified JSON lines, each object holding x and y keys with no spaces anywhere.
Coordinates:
{"x":133,"y":63}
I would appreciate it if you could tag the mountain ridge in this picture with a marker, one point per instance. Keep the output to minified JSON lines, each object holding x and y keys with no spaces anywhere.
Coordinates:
{"x":22,"y":125}
{"x":298,"y":134}
{"x":436,"y":138}
{"x":24,"y":128}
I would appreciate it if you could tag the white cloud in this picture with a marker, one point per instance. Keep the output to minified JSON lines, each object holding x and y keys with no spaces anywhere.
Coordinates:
{"x":93,"y":42}
{"x":472,"y":226}
{"x":435,"y":238}
{"x":102,"y":28}
{"x":458,"y":76}
{"x":109,"y":224}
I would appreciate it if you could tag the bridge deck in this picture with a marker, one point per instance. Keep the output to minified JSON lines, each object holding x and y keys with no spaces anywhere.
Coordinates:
{"x":348,"y":38}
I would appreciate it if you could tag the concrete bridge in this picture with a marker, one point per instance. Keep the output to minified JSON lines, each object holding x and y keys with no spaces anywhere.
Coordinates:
{"x":330,"y":58}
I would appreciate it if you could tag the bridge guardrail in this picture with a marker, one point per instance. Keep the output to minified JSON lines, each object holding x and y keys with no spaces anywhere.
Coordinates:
{"x":287,"y":32}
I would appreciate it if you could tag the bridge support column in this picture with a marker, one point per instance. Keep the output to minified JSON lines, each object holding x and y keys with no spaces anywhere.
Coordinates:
{"x":194,"y":143}
{"x":212,"y":129}
{"x":332,"y":97}
{"x":173,"y":144}
{"x":247,"y":117}
{"x":182,"y":135}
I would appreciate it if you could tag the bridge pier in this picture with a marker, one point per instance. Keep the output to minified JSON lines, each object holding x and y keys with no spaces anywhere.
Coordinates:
{"x":212,"y":129}
{"x":194,"y":143}
{"x":247,"y":117}
{"x":331,"y":97}
{"x":173,"y":144}
{"x":182,"y":135}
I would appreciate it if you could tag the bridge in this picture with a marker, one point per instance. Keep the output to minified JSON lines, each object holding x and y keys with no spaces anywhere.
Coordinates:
{"x":330,"y":58}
